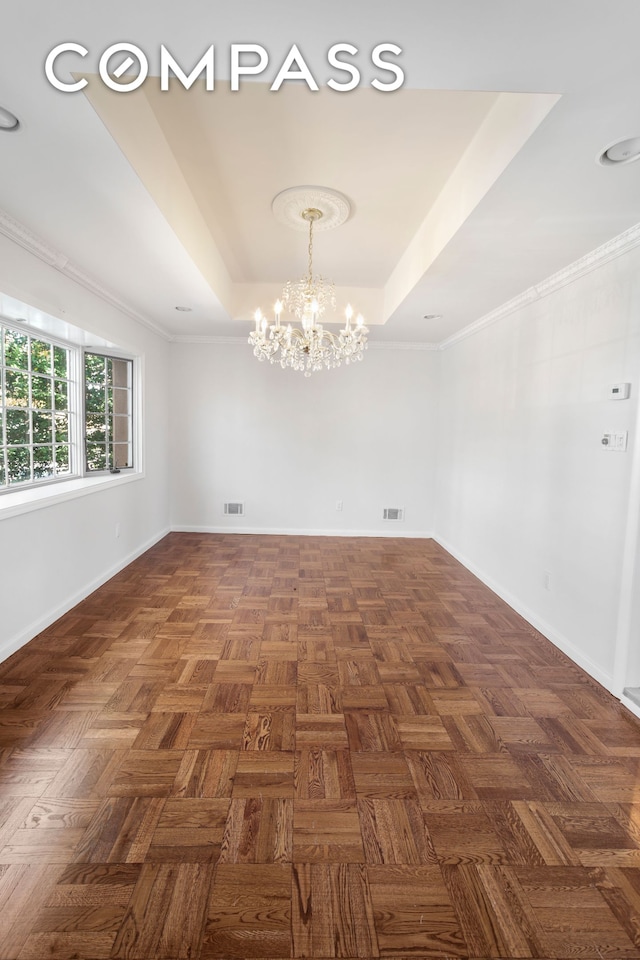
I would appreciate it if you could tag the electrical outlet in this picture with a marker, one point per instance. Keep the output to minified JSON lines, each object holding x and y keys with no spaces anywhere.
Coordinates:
{"x":338,"y":505}
{"x":546,"y":580}
{"x":117,"y":531}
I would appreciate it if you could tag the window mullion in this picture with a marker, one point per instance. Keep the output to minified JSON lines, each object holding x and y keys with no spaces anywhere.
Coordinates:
{"x":77,"y":414}
{"x":3,"y":397}
{"x":30,"y":409}
{"x":107,"y":418}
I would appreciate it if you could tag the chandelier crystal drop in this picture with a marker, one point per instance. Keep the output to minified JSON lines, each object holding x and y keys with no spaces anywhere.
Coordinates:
{"x":310,"y":348}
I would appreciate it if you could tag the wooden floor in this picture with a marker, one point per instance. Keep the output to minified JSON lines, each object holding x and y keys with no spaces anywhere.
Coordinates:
{"x":310,"y":747}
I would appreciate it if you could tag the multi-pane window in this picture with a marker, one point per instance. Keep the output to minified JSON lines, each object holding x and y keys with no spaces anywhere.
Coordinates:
{"x":108,"y":412}
{"x":35,"y":440}
{"x":50,"y":427}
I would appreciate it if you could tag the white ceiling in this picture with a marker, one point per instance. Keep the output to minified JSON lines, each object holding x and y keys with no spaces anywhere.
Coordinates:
{"x":475,"y":181}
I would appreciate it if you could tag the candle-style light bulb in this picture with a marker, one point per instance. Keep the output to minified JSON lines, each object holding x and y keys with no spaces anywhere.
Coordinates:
{"x":348,"y":314}
{"x":277,"y":310}
{"x":360,"y":320}
{"x":257,"y":317}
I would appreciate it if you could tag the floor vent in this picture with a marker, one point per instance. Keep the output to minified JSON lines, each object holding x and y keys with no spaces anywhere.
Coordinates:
{"x":393,"y":513}
{"x":234,"y":509}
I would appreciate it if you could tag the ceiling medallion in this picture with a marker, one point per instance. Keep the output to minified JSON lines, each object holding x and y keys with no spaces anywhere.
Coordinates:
{"x":311,"y":348}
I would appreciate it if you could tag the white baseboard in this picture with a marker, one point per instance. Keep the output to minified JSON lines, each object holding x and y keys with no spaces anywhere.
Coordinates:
{"x":283,"y":532}
{"x":537,"y":622}
{"x":630,"y":705}
{"x":10,"y":646}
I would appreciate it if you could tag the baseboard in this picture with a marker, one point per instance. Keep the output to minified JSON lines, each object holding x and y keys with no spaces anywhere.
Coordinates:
{"x":283,"y":532}
{"x":10,"y":646}
{"x":558,"y":640}
{"x":631,"y":706}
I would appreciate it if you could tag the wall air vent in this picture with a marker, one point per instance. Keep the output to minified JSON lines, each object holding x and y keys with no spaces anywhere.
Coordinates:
{"x":234,"y":509}
{"x":393,"y":513}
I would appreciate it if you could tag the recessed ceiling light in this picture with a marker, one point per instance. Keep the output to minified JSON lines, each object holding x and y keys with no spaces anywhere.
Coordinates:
{"x":184,"y":309}
{"x":8,"y":121}
{"x":622,"y":151}
{"x":432,"y":316}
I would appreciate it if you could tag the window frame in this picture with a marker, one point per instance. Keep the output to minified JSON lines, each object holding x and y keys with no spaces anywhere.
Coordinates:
{"x":109,"y":354}
{"x":73,"y":410}
{"x":15,"y":497}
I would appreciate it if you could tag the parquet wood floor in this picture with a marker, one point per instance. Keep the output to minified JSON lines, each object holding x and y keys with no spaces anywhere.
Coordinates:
{"x":276,"y":747}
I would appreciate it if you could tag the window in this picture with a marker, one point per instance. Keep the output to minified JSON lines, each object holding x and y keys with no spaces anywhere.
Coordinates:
{"x":108,"y":412}
{"x":34,"y":392}
{"x":64,"y":412}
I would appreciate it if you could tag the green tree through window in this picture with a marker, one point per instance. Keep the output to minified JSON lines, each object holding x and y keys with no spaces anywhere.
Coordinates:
{"x":108,"y":412}
{"x":45,"y":414}
{"x":34,"y":402}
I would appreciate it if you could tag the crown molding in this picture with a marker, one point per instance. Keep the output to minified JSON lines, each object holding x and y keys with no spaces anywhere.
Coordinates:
{"x":401,"y":345}
{"x":17,"y":232}
{"x":194,"y":338}
{"x":20,"y":234}
{"x":608,"y":251}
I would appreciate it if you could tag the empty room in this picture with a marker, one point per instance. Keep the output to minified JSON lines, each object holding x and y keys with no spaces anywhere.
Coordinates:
{"x":320,"y":480}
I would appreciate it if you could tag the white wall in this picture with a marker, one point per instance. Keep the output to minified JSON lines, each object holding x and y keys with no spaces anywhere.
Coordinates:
{"x":524,"y":485}
{"x":290,"y":447}
{"x":53,"y":556}
{"x":493,"y":444}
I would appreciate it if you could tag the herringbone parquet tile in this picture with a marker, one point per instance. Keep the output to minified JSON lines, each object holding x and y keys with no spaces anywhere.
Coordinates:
{"x":282,"y":747}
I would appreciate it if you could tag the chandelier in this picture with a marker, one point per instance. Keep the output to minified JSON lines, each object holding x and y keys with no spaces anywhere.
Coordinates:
{"x":310,"y":347}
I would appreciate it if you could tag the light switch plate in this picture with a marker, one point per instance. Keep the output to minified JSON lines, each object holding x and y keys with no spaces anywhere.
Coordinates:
{"x":616,"y":442}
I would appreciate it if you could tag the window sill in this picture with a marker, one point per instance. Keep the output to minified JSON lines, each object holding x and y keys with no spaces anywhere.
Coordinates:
{"x":24,"y":501}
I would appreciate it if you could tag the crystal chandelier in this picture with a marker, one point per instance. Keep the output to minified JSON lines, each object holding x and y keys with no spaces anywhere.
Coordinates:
{"x":312,"y":347}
